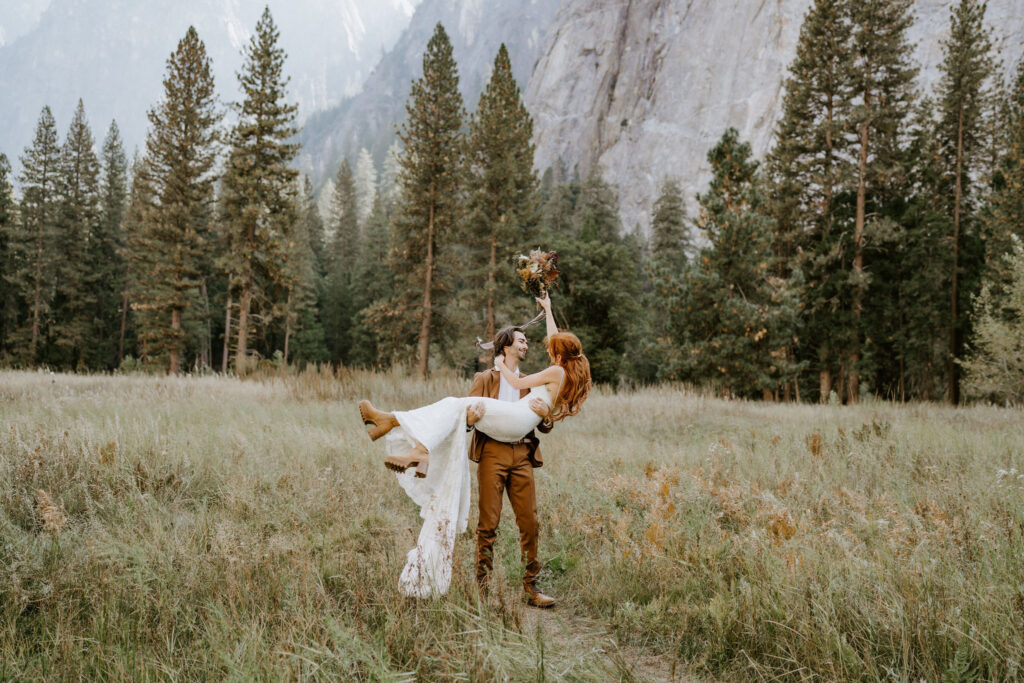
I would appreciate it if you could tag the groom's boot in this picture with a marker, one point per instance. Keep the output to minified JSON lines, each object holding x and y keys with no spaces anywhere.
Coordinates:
{"x":382,"y":422}
{"x":535,"y":598}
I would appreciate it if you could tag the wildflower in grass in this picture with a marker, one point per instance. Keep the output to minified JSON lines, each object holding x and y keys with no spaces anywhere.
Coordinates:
{"x":50,"y":513}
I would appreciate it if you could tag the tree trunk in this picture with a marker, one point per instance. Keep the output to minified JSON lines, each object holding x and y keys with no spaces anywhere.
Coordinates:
{"x":124,"y":325}
{"x":227,"y":336}
{"x":492,"y":265}
{"x":175,"y":359}
{"x":428,"y":278}
{"x":287,"y":326}
{"x":37,"y":300}
{"x":954,"y":333}
{"x":824,"y":385}
{"x":853,"y":377}
{"x":241,"y":352}
{"x":207,"y":351}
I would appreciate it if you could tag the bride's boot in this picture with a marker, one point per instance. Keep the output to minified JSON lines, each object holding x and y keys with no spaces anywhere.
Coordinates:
{"x":418,"y":457}
{"x":382,"y":422}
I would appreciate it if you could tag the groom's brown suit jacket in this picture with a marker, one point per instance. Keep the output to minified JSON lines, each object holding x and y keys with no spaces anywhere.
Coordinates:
{"x":486,"y":385}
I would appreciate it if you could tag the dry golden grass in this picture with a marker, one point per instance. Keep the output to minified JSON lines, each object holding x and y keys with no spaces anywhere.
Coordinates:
{"x":195,"y":528}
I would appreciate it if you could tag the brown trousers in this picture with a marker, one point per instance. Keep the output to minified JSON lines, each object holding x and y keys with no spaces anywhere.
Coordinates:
{"x":506,"y":468}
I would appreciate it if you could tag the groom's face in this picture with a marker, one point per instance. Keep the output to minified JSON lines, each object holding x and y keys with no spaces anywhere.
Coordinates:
{"x":518,"y":347}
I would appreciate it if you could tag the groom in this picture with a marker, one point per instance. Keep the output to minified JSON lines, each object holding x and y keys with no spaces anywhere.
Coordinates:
{"x":507,"y":467}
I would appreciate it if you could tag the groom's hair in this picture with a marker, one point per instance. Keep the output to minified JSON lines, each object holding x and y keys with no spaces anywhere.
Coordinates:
{"x":506,"y":337}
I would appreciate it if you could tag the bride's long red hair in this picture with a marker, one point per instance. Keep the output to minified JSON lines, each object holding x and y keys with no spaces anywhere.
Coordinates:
{"x":567,"y":350}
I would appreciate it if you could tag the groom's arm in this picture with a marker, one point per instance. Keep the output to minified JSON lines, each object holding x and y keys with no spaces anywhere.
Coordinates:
{"x":474,"y":412}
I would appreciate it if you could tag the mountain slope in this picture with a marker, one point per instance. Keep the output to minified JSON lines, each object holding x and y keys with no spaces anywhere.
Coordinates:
{"x":476,"y":28}
{"x":111,"y":53}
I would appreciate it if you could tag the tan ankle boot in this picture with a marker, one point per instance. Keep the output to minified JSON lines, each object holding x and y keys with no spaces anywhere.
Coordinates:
{"x":418,"y":457}
{"x":382,"y":422}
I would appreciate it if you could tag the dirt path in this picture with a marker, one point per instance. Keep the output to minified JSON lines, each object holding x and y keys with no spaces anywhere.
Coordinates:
{"x":570,"y":632}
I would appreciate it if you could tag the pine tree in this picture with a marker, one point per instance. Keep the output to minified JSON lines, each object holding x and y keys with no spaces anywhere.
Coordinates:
{"x":133,"y":315}
{"x":963,"y":99}
{"x":76,"y":273}
{"x":809,"y":170}
{"x":33,"y":241}
{"x":390,"y":191}
{"x":882,"y":79}
{"x":366,"y":185}
{"x":598,"y":285}
{"x":666,"y":270}
{"x":429,"y":209}
{"x":304,"y":335}
{"x":259,"y":185}
{"x":914,"y":274}
{"x":741,"y":318}
{"x":375,"y":288}
{"x":1003,"y":220}
{"x":107,"y":253}
{"x":8,"y":300}
{"x":169,"y":253}
{"x":670,"y":237}
{"x":342,"y":254}
{"x":995,"y":368}
{"x":502,"y":197}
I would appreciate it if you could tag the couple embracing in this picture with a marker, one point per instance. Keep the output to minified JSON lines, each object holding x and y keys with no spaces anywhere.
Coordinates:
{"x":427,"y":448}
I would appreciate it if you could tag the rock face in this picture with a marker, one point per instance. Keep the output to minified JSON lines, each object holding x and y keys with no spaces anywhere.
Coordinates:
{"x":644,"y":88}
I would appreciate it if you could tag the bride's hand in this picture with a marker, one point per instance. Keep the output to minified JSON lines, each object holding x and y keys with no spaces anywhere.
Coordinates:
{"x":545,"y":302}
{"x":499,"y":359}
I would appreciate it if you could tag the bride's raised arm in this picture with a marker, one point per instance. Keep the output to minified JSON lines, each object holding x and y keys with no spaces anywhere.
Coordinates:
{"x":552,"y":374}
{"x":545,"y":303}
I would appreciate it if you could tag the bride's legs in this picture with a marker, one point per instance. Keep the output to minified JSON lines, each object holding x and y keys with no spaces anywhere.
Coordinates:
{"x":382,"y":422}
{"x":418,"y":456}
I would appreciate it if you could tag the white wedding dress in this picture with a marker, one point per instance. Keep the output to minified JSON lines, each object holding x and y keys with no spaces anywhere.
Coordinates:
{"x":443,"y":496}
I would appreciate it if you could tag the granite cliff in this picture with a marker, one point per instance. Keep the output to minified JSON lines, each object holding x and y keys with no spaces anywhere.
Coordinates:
{"x":643,"y":88}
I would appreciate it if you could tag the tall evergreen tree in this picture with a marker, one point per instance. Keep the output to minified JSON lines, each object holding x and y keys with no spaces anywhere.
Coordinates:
{"x":665,"y":322}
{"x":366,"y":184}
{"x":963,"y":99}
{"x":429,"y":208}
{"x":76,"y":272}
{"x":882,"y":79}
{"x":376,"y":286}
{"x":670,"y":236}
{"x":342,"y":254}
{"x":107,"y":251}
{"x":259,"y":202}
{"x":809,"y":170}
{"x":502,"y":190}
{"x":304,"y":334}
{"x":741,"y":318}
{"x":32,"y":243}
{"x":390,"y":191}
{"x":135,"y":316}
{"x":1003,"y":219}
{"x":598,"y":287}
{"x":8,"y":300}
{"x":169,"y":255}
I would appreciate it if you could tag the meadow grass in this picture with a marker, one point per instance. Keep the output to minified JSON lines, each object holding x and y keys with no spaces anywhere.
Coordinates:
{"x":204,"y":527}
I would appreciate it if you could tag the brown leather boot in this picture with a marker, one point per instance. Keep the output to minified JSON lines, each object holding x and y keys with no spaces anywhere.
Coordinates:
{"x":382,"y":422}
{"x":535,"y":598}
{"x":418,"y":457}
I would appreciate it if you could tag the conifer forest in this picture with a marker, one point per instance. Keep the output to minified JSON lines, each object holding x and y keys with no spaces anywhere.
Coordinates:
{"x":875,"y":251}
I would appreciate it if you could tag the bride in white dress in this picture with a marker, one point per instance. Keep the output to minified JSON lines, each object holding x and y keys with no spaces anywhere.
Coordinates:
{"x":436,"y":434}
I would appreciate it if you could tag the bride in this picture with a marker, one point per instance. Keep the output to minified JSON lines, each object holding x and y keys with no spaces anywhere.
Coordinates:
{"x":436,"y":435}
